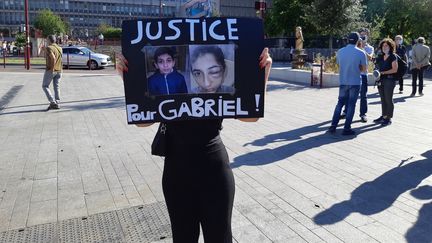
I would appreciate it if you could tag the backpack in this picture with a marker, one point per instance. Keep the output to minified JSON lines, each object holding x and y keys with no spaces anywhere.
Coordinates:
{"x":402,"y":67}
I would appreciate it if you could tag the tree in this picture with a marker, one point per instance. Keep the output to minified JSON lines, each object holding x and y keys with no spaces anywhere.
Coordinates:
{"x":108,"y":31}
{"x":285,"y":16}
{"x":49,"y":23}
{"x":102,"y":28}
{"x":20,"y":39}
{"x":408,"y":18}
{"x":335,"y":17}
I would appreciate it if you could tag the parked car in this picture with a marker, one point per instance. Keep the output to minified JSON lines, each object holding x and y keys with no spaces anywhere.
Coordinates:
{"x":83,"y":56}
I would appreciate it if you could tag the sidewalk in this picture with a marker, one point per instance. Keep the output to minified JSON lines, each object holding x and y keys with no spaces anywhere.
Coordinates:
{"x":82,"y":173}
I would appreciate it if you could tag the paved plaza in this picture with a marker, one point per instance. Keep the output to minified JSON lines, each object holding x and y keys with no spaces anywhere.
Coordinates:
{"x":82,"y":173}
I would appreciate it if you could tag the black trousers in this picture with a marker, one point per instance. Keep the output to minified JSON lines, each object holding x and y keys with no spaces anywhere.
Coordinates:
{"x":199,"y":190}
{"x":386,"y":94}
{"x":417,"y":73}
{"x":401,"y":80}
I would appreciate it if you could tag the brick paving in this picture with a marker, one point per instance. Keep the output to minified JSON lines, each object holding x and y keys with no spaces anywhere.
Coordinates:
{"x":294,"y":182}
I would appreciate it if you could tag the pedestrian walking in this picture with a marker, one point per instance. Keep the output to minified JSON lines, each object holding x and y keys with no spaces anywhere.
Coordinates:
{"x":420,"y":61}
{"x":53,"y":72}
{"x":352,"y":61}
{"x":388,"y":66}
{"x":401,"y":51}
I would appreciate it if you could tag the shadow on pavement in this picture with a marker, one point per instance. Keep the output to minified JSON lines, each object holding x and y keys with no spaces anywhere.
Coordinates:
{"x":285,"y":85}
{"x":270,"y":155}
{"x":395,"y":100}
{"x":99,"y":103}
{"x":375,"y":196}
{"x":422,"y":229}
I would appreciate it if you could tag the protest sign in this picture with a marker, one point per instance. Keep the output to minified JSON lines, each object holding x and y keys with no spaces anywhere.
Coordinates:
{"x":187,"y":69}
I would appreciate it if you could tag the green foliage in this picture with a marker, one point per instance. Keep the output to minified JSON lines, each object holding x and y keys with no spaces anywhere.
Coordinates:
{"x":285,"y":16}
{"x":111,"y":32}
{"x":108,"y":31}
{"x":49,"y":23}
{"x":20,"y":39}
{"x":329,"y":64}
{"x":335,"y":17}
{"x":102,"y":28}
{"x":408,"y":18}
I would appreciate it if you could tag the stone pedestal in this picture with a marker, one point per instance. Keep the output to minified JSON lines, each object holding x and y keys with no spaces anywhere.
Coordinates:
{"x":299,"y":57}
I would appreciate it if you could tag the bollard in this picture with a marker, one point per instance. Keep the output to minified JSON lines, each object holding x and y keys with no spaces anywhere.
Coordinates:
{"x":89,"y":61}
{"x":321,"y":73}
{"x":114,"y":60}
{"x":313,"y":80}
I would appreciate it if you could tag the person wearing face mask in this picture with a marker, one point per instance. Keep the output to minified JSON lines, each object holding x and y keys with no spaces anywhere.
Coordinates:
{"x":402,"y":53}
{"x":387,"y":65}
{"x":420,"y":61}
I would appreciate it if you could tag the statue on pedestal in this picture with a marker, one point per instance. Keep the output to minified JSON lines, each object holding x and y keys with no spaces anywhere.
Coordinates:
{"x":299,"y":38}
{"x":299,"y":55}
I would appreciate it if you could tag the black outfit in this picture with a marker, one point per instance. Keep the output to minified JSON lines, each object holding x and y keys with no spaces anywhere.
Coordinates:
{"x":197,"y":182}
{"x":417,"y":73}
{"x":388,"y":83}
{"x":402,"y":53}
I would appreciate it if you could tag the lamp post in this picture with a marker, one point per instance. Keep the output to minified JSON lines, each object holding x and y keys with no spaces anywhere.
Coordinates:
{"x":27,"y":29}
{"x":160,"y":8}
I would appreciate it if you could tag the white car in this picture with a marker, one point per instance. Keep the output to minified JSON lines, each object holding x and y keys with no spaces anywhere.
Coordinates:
{"x":82,"y":56}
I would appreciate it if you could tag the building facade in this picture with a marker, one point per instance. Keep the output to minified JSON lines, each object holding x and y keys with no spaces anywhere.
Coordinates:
{"x":85,"y":16}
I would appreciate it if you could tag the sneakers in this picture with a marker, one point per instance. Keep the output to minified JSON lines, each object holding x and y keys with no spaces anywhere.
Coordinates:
{"x":349,"y":132}
{"x":379,"y":119}
{"x":421,"y":94}
{"x":343,"y":115}
{"x":412,"y":94}
{"x":386,"y":122}
{"x":53,"y":106}
{"x":400,"y":91}
{"x":363,"y":118}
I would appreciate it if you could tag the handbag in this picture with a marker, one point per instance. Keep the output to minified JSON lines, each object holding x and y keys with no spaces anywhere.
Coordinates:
{"x":159,"y":144}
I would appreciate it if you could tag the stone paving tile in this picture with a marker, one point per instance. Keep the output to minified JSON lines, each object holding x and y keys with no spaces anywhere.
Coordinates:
{"x":42,"y":212}
{"x":292,"y":179}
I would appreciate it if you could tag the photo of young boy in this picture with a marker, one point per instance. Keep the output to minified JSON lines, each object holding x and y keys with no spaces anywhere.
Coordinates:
{"x":166,"y":79}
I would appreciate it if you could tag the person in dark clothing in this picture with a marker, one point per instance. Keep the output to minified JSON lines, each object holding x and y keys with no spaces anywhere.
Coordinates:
{"x":420,"y":61}
{"x":401,"y":51}
{"x":387,"y":66}
{"x":197,"y":181}
{"x":166,"y":80}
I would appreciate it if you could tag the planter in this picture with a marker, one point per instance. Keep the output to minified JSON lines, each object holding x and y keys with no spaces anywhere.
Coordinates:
{"x":304,"y":76}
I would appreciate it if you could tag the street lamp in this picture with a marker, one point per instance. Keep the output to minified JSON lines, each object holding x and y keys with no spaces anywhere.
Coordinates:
{"x":160,"y":8}
{"x":27,"y":29}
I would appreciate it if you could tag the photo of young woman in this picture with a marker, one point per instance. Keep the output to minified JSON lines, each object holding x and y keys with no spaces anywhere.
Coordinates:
{"x":212,"y":71}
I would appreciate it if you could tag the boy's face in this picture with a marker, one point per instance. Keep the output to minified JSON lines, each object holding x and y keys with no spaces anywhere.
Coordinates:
{"x":165,"y":63}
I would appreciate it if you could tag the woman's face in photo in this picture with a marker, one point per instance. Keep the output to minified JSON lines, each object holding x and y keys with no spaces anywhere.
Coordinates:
{"x":208,"y":73}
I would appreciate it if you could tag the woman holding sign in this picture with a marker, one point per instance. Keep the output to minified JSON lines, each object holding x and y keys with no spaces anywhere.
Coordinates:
{"x":197,"y":182}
